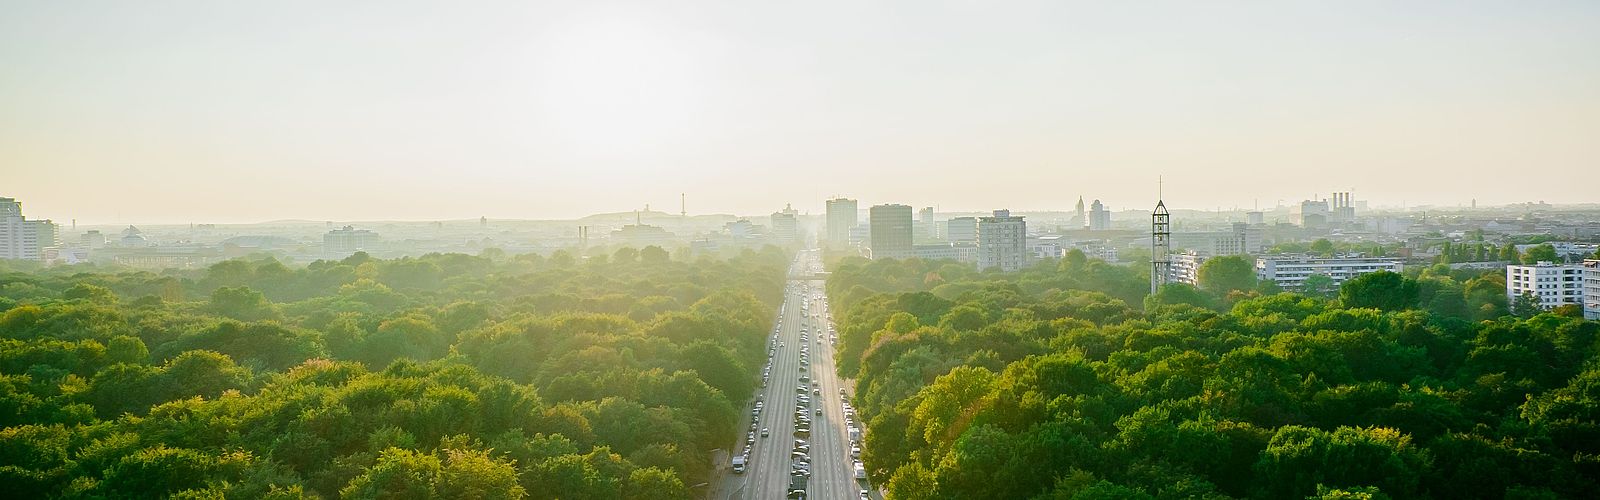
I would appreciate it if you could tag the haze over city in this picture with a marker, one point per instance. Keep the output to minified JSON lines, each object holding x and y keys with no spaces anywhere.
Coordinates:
{"x":232,"y":112}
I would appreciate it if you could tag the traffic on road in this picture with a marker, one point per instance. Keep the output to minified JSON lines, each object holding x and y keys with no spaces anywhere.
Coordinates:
{"x":812,"y":447}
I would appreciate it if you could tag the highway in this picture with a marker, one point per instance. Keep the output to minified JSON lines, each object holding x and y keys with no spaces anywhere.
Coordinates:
{"x":771,"y":458}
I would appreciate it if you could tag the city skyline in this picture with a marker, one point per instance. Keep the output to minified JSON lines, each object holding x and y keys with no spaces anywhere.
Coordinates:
{"x":412,"y":111}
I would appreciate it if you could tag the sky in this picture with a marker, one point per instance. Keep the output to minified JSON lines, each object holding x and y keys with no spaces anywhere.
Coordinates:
{"x":169,"y":111}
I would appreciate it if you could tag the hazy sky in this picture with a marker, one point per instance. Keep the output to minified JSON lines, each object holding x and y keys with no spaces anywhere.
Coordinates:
{"x":223,"y":111}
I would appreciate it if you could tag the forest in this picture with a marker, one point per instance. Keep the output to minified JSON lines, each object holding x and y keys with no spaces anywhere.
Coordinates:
{"x":1068,"y":380}
{"x":440,"y":376}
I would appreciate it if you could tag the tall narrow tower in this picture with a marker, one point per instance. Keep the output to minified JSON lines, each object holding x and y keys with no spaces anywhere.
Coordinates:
{"x":1160,"y":246}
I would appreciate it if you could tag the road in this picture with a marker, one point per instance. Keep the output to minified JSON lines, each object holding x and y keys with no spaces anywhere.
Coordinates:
{"x":770,"y":464}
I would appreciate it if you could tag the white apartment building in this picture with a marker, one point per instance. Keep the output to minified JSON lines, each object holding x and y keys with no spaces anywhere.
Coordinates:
{"x":20,"y":238}
{"x":1186,"y":268}
{"x":1591,"y":289}
{"x":343,"y":242}
{"x":1553,"y":284}
{"x":1002,"y":242}
{"x":1290,"y":271}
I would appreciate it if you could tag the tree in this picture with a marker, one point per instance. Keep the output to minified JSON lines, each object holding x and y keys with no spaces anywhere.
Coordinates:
{"x":625,"y":255}
{"x":473,"y":474}
{"x":1526,"y":305}
{"x":1509,"y":253}
{"x":90,"y":293}
{"x":1319,"y":285}
{"x":1220,"y":275}
{"x":1540,"y":253}
{"x":242,"y":303}
{"x":1385,"y":290}
{"x":398,"y":474}
{"x":654,"y":255}
{"x":1322,"y":247}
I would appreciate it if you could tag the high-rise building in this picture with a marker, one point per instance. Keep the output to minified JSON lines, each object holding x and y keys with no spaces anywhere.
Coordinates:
{"x":1078,"y":219}
{"x":785,"y":226}
{"x":1255,"y":217}
{"x":20,"y":238}
{"x":348,"y":240}
{"x":924,"y":229}
{"x":1002,"y":242}
{"x":891,"y":231}
{"x":1099,"y":217}
{"x":1314,"y":213}
{"x":841,"y":219}
{"x":1591,"y":289}
{"x":1551,"y":283}
{"x":962,"y":230}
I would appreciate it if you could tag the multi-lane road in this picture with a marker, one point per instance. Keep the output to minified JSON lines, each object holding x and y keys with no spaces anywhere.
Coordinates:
{"x":801,"y":346}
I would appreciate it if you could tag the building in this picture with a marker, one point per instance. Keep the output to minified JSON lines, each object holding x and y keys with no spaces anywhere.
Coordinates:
{"x":132,"y":237}
{"x":1078,"y":219}
{"x":348,"y":240}
{"x":925,"y":229}
{"x":1099,"y":217}
{"x":1186,"y":268}
{"x":1290,"y":271}
{"x":23,"y":239}
{"x":1568,"y":251}
{"x":1002,"y":242}
{"x":640,"y":235}
{"x":1553,"y":284}
{"x":1047,"y":247}
{"x":1255,"y":218}
{"x":891,"y":231}
{"x":1242,"y":238}
{"x":841,"y":219}
{"x":961,"y":230}
{"x":1313,"y":214}
{"x":785,"y":226}
{"x":1591,"y":289}
{"x":92,"y":240}
{"x":965,"y":253}
{"x":1342,"y":209}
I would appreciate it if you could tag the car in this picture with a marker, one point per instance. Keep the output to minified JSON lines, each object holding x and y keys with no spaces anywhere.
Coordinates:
{"x":765,"y":432}
{"x":865,"y":495}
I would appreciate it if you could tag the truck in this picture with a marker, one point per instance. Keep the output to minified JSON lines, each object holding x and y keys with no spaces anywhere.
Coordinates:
{"x":855,"y":433}
{"x":738,"y":464}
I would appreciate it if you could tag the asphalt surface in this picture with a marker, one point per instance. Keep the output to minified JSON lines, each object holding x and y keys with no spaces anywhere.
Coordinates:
{"x":771,"y":460}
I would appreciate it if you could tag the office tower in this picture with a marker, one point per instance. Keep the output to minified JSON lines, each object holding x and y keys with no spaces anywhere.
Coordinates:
{"x":1099,"y":217}
{"x":20,"y":238}
{"x":1002,"y":242}
{"x":962,"y":230}
{"x":891,"y":231}
{"x":841,"y":219}
{"x":785,"y":226}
